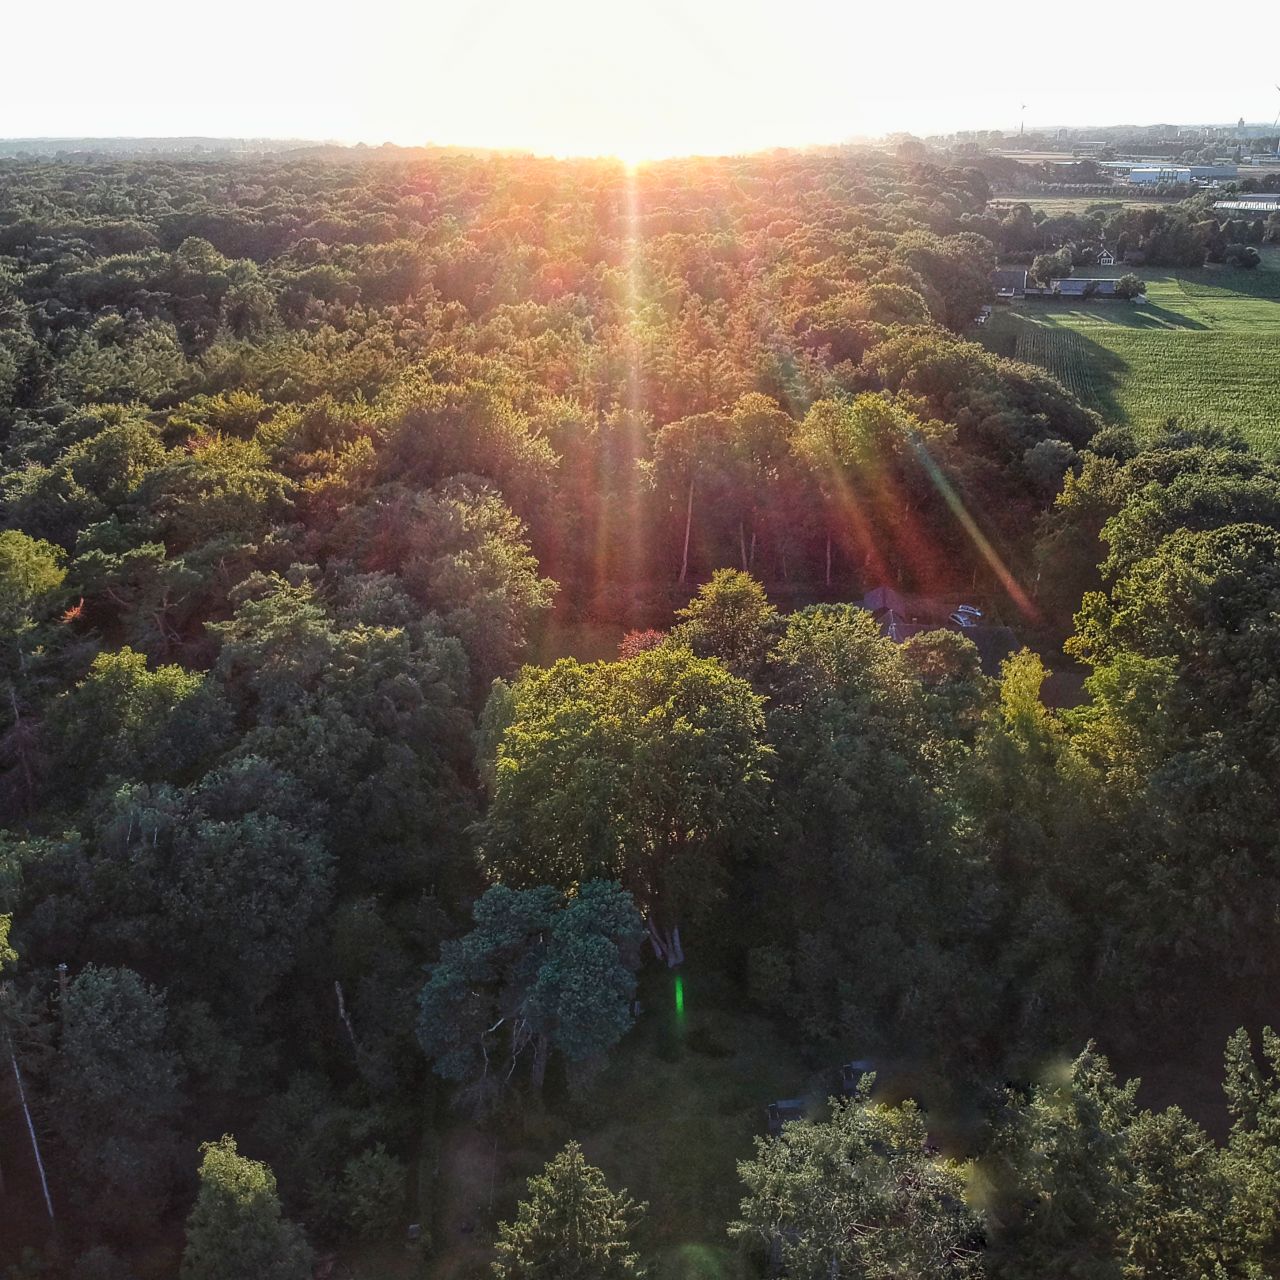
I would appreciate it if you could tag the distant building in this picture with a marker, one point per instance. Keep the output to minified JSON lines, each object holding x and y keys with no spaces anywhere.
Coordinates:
{"x":1150,"y":175}
{"x":1009,"y":283}
{"x":1254,"y":202}
{"x":1085,"y":287}
{"x":901,"y":616}
{"x":1106,"y":258}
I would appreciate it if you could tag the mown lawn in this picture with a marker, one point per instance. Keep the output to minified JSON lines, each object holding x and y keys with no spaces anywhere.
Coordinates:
{"x":678,"y":1106}
{"x":1205,"y":347}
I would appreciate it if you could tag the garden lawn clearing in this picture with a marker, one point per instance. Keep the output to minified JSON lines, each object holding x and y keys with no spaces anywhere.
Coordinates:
{"x":678,"y":1106}
{"x":1205,"y":347}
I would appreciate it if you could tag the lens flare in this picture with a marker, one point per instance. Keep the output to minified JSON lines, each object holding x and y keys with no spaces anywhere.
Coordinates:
{"x":976,"y":536}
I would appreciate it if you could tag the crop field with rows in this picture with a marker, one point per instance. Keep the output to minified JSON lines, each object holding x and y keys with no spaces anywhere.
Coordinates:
{"x":1206,"y":346}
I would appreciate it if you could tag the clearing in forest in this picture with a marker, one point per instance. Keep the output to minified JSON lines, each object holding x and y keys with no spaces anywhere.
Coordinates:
{"x":1206,"y":346}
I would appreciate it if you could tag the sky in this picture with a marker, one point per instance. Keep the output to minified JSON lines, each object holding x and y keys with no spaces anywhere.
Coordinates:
{"x":639,"y":80}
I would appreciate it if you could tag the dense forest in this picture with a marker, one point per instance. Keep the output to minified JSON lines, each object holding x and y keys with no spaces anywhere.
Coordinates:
{"x":311,"y":878}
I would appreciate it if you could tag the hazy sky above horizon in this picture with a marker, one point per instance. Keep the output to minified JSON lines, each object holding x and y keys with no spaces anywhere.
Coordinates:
{"x":637,"y":80}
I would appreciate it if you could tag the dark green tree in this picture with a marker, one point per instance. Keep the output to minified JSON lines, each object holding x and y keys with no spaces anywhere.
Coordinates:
{"x":539,"y":974}
{"x":116,"y":1095}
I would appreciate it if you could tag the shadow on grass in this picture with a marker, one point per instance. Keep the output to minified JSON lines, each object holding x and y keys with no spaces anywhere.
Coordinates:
{"x":1089,"y":370}
{"x":1106,"y":371}
{"x":1152,"y":317}
{"x":1123,"y":314}
{"x":1223,"y":281}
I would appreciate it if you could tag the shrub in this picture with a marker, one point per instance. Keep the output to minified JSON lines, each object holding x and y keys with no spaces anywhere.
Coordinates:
{"x":373,"y":1188}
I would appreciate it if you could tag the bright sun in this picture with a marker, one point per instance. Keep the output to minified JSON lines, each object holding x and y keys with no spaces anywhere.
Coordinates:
{"x":576,"y":77}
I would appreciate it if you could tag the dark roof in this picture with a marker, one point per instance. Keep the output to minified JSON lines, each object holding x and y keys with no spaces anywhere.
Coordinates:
{"x":1009,"y":280}
{"x":901,"y":616}
{"x":885,"y":598}
{"x":785,"y":1109}
{"x":1080,"y":286}
{"x":884,"y":601}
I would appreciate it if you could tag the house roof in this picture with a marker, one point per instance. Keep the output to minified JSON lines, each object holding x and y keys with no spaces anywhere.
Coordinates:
{"x":901,"y":616}
{"x":884,"y":598}
{"x":1078,"y":286}
{"x":1009,"y":280}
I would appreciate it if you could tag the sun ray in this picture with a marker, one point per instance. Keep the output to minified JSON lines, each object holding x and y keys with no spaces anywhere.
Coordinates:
{"x":976,"y":536}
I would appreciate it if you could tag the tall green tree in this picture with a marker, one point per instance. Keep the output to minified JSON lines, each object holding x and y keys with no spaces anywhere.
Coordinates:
{"x":116,"y":1095}
{"x":858,"y":1195}
{"x":1062,"y":1176}
{"x":127,"y":719}
{"x":729,"y":618}
{"x":539,"y":973}
{"x":32,"y":573}
{"x":571,"y":1227}
{"x":236,"y":1229}
{"x":1252,"y":1087}
{"x":647,"y":771}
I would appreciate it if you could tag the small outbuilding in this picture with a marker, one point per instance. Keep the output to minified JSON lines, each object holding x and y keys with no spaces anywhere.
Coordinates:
{"x":783,"y":1112}
{"x":1085,"y":287}
{"x":1009,"y":283}
{"x":900,"y":616}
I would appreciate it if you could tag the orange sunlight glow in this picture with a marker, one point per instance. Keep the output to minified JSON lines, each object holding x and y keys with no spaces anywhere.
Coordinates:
{"x":584,"y":78}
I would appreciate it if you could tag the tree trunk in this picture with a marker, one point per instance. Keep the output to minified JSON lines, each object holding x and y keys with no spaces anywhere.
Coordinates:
{"x":20,"y":749}
{"x":751,"y":559}
{"x":828,"y":559}
{"x":655,"y":939}
{"x":688,"y":525}
{"x":31,"y":1129}
{"x":666,"y":946}
{"x":541,"y":1052}
{"x":742,"y":544}
{"x":345,"y":1020}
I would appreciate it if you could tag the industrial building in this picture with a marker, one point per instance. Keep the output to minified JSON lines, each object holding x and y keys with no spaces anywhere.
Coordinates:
{"x":1149,"y":175}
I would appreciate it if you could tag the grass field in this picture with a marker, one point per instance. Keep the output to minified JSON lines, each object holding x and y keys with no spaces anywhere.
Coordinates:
{"x":1057,"y":205}
{"x":1205,"y":347}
